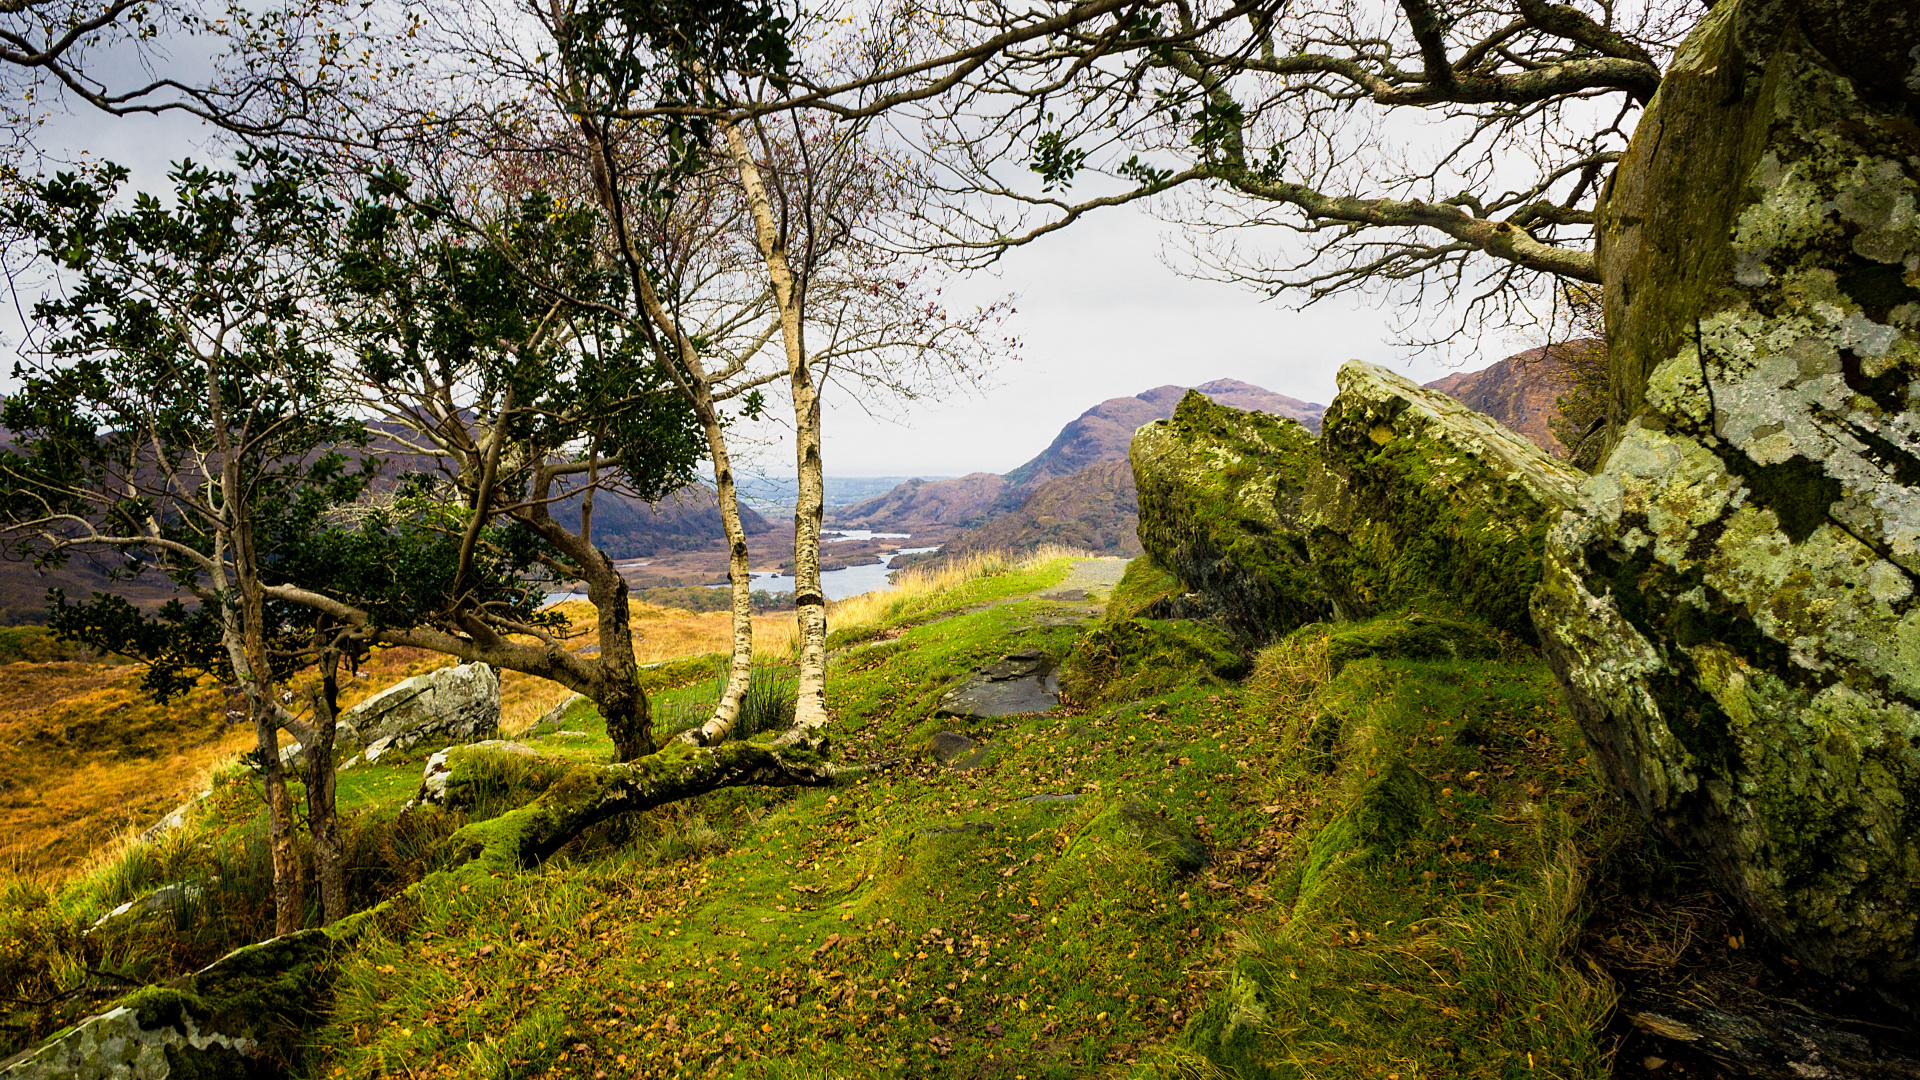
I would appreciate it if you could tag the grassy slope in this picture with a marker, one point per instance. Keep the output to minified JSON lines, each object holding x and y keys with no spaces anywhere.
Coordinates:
{"x":1397,"y":854}
{"x":1395,"y":880}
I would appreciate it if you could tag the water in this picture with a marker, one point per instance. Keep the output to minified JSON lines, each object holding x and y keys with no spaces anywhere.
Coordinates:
{"x":836,"y":584}
{"x":835,"y":536}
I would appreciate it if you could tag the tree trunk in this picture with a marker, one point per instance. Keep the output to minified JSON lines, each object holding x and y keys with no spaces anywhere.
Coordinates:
{"x":809,"y":603}
{"x":726,"y":711}
{"x":629,"y":718}
{"x":323,"y":819}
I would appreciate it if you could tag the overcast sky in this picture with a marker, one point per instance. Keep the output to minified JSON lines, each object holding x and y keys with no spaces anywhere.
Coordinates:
{"x":1100,"y":316}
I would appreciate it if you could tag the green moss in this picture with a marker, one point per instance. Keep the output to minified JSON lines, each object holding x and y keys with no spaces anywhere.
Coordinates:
{"x":1144,"y":584}
{"x":1141,"y":657}
{"x":1432,"y":522}
{"x":1220,"y":497}
{"x":1412,"y":635}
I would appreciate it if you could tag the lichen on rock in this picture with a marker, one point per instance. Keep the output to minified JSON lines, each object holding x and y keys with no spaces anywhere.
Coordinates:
{"x":1734,"y":618}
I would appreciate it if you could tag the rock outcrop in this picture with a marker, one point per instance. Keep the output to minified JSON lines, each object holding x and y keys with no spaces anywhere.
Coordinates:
{"x":1406,"y":495}
{"x":1735,"y":621}
{"x":459,"y":704}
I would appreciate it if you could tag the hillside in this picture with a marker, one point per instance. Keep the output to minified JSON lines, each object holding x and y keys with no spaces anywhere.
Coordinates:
{"x":1363,"y":853}
{"x":916,"y":505}
{"x":627,"y":528}
{"x":1103,"y":432}
{"x":1095,"y":509}
{"x":624,"y":526}
{"x":1098,"y":435}
{"x":1522,"y":391}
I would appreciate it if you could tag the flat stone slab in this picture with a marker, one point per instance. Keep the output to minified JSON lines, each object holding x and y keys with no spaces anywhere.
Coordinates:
{"x":1020,"y":682}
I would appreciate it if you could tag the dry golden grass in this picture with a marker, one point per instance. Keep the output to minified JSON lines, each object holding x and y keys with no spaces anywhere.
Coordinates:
{"x":86,"y":759}
{"x":86,"y":756}
{"x":869,"y":609}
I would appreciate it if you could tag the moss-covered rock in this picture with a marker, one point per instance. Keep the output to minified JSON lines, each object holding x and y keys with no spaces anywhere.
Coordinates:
{"x":239,"y":1018}
{"x":1140,"y":657}
{"x":1410,"y":635}
{"x":1223,"y":497}
{"x":1408,"y":495}
{"x":1434,"y":500}
{"x":1735,"y":619}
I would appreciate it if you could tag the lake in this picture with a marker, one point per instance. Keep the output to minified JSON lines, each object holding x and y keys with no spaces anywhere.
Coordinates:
{"x":836,"y":584}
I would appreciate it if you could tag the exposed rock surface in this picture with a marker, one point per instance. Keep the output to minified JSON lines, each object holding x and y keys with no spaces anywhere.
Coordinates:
{"x":1181,"y":847}
{"x":946,"y":746}
{"x":1735,"y":621}
{"x":237,"y":1018}
{"x":459,"y":704}
{"x":1406,"y":494}
{"x":1021,"y":682}
{"x":1430,"y":498}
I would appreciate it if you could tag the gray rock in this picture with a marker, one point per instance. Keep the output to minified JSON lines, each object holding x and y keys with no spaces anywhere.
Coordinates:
{"x":1181,"y":848}
{"x":218,"y":1023}
{"x":172,"y":821}
{"x":960,"y":829}
{"x":123,"y":1044}
{"x":1020,"y":682}
{"x":1734,"y":618}
{"x":161,"y":901}
{"x":457,"y":704}
{"x":948,"y":745}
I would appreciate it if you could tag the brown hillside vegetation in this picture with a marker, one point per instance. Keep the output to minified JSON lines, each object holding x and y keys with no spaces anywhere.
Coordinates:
{"x":86,"y":756}
{"x":1522,"y":391}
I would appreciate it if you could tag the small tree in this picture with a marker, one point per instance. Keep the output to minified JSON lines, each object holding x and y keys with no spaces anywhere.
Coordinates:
{"x":176,"y":417}
{"x":519,"y":398}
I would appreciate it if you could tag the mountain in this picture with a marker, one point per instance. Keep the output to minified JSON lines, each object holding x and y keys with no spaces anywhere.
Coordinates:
{"x":1523,"y":391}
{"x":963,"y":501}
{"x":1101,"y":434}
{"x":1096,"y":509}
{"x":626,"y":528}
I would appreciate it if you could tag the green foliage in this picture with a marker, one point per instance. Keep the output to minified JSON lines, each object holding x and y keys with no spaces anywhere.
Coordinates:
{"x":702,"y":599}
{"x":1140,"y":657}
{"x":39,"y":645}
{"x":1379,"y":872}
{"x":176,"y":413}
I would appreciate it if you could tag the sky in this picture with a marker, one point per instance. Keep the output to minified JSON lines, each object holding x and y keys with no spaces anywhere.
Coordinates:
{"x":1099,"y":314}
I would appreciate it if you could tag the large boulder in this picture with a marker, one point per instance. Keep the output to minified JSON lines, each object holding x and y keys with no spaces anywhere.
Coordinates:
{"x":1408,"y":495}
{"x":1431,"y":499}
{"x":1735,"y":620}
{"x":459,"y":704}
{"x":1222,"y":506}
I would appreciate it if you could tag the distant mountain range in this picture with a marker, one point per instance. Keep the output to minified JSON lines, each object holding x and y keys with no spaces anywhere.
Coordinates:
{"x":1100,"y":434}
{"x":1079,"y":491}
{"x":624,"y":527}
